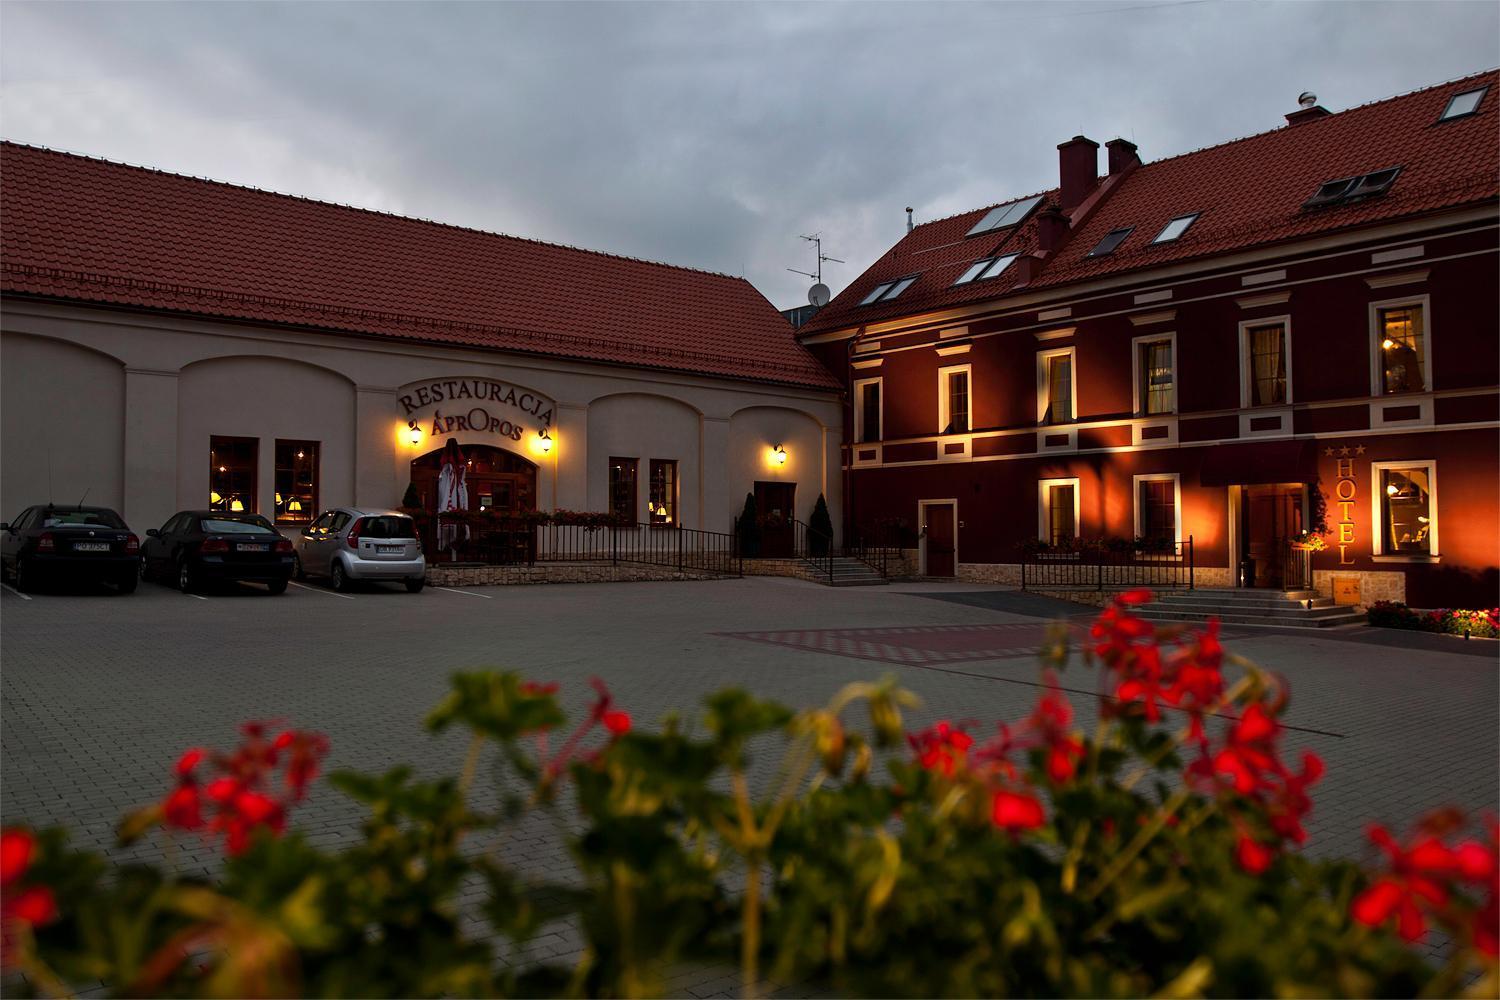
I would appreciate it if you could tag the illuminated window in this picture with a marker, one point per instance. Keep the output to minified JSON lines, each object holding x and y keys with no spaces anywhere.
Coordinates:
{"x":622,"y":493}
{"x":296,"y":481}
{"x":662,"y":503}
{"x":1406,"y":508}
{"x":1155,"y":379}
{"x":1463,"y":104}
{"x":1055,"y":393}
{"x":1004,"y":216}
{"x":1175,"y":228}
{"x":1402,"y":349}
{"x":1265,"y":358}
{"x":1059,"y":511}
{"x":1156,"y":503}
{"x":231,"y":473}
{"x":1111,"y":242}
{"x":953,"y":401}
{"x":867,"y":411}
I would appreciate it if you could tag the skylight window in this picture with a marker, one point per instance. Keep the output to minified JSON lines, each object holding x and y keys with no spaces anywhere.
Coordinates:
{"x":990,"y":267}
{"x":1111,"y":242}
{"x":1463,"y":104}
{"x":1175,"y":228}
{"x":886,"y":291}
{"x":1351,"y":189}
{"x":1003,"y":216}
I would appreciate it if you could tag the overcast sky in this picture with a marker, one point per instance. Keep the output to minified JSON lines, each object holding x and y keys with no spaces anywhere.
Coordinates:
{"x":709,"y":135}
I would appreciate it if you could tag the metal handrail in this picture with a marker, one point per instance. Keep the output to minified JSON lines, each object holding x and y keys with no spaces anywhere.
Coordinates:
{"x":1296,"y":573}
{"x":877,"y":553}
{"x":1159,"y":566}
{"x":813,"y":546}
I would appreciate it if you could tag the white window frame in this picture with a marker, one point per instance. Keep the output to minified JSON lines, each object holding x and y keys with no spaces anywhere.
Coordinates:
{"x":1043,"y":382}
{"x":859,"y":410}
{"x":1377,"y":374}
{"x":1137,"y":399}
{"x":1247,"y":370}
{"x":943,"y":413}
{"x":1377,"y":511}
{"x":1175,"y":478}
{"x":1043,"y":486}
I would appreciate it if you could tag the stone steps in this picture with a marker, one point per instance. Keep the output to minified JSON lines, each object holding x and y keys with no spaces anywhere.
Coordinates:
{"x":1289,"y":609}
{"x":847,"y":572}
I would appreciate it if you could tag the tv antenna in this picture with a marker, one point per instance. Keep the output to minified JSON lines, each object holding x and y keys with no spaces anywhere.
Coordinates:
{"x":818,"y":294}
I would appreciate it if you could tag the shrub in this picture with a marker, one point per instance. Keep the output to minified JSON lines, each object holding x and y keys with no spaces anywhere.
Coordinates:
{"x":1393,"y":614}
{"x":1455,"y":621}
{"x":1156,"y":855}
{"x":821,"y":536}
{"x":411,"y":498}
{"x":748,"y":528}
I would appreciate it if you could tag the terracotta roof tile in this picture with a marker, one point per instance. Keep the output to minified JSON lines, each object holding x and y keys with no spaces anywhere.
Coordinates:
{"x":1249,"y":192}
{"x":85,"y":229}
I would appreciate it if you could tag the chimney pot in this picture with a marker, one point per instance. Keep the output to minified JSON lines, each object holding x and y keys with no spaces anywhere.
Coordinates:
{"x":1051,"y":229}
{"x":1311,"y":114}
{"x":1122,"y":155}
{"x":1078,"y":170}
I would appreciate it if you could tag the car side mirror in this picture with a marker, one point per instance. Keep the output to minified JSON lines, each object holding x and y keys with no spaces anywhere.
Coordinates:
{"x":152,"y":533}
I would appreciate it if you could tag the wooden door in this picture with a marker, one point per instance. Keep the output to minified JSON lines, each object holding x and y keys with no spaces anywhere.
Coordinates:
{"x":938,"y":538}
{"x":775,"y":508}
{"x":1272,"y":515}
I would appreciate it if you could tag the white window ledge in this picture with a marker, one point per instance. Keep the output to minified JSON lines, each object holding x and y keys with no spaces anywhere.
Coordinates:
{"x":1434,"y":558}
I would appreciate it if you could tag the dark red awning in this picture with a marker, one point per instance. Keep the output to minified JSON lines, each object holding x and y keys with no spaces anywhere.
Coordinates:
{"x":1260,"y":462}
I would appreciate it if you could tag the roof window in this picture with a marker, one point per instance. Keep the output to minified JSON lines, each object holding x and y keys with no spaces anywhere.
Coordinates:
{"x":988,"y":268}
{"x":1350,"y":189}
{"x":1175,"y":228}
{"x":888,"y":290}
{"x":1462,"y":105}
{"x":1111,"y":241}
{"x":1003,"y":216}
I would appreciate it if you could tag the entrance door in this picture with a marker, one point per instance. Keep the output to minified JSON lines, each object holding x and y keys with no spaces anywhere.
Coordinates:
{"x":1272,"y":514}
{"x":775,"y":507}
{"x":494,"y":480}
{"x":937,"y":538}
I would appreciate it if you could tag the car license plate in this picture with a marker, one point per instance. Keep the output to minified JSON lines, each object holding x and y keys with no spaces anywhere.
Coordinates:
{"x":90,"y":546}
{"x":251,"y":547}
{"x":386,"y":550}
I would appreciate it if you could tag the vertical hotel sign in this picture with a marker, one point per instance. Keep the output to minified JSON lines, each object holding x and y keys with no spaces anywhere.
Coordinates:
{"x":1346,"y":491}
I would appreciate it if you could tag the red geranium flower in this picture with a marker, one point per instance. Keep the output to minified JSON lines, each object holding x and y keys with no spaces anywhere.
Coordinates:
{"x":21,"y":906}
{"x":1418,"y":875}
{"x":941,"y":747}
{"x":617,"y":722}
{"x":1015,"y":811}
{"x":1253,"y":856}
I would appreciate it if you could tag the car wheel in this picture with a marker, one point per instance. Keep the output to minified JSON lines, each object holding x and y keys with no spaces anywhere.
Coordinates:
{"x":187,"y":580}
{"x":338,"y":577}
{"x":276,"y":586}
{"x":297,"y":569}
{"x":415,"y":585}
{"x":22,"y":576}
{"x":128,"y":583}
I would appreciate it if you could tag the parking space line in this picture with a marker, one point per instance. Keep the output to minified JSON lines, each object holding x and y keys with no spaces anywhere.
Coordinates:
{"x":13,"y":590}
{"x":319,"y":590}
{"x":466,"y":593}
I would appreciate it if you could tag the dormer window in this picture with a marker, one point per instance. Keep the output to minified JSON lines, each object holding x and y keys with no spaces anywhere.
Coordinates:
{"x":1175,"y":228}
{"x":1351,"y":189}
{"x":1111,"y":242}
{"x":888,"y":290}
{"x":1004,"y":216}
{"x":1463,"y":105}
{"x":990,"y":267}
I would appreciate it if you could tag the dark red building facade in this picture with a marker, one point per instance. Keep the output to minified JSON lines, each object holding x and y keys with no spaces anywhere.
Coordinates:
{"x":1285,"y":336}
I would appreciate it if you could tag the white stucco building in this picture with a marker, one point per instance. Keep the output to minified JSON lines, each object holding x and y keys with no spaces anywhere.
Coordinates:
{"x":171,"y":343}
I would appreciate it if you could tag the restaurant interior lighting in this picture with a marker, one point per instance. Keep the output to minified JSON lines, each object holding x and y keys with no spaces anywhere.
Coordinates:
{"x":294,"y":505}
{"x":213,"y":497}
{"x":236,"y":506}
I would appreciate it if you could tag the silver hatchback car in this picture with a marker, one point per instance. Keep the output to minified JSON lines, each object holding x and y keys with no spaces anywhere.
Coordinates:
{"x":349,"y":543}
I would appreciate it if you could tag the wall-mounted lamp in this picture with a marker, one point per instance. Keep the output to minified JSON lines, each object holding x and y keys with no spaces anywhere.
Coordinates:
{"x":778,"y":454}
{"x":236,"y":506}
{"x":543,"y":442}
{"x":413,"y":432}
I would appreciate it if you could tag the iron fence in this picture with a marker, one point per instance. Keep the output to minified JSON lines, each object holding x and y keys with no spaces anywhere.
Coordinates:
{"x":512,"y":543}
{"x":1158,"y":566}
{"x":1297,"y":567}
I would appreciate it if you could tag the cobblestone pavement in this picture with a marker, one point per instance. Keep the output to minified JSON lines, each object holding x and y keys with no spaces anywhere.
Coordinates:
{"x":101,"y":693}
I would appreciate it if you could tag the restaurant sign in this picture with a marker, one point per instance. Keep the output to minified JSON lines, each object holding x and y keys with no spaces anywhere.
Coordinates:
{"x":475,"y":405}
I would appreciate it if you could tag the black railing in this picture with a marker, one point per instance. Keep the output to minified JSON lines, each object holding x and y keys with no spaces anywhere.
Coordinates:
{"x":877,"y":548}
{"x":1158,"y":566}
{"x":813,"y":547}
{"x":511,"y":543}
{"x":1296,"y":571}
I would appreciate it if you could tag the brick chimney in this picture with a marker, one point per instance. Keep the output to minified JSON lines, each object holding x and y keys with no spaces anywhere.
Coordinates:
{"x":1051,"y":229}
{"x":1311,"y":114}
{"x":1078,"y":170}
{"x":1122,"y":155}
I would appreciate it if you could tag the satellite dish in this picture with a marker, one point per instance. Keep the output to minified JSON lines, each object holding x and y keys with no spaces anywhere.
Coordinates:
{"x":819,"y":295}
{"x":1307,"y":99}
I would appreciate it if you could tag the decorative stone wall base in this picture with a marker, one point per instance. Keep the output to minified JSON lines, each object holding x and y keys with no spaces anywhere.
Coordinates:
{"x":1005,"y":574}
{"x":580,"y":572}
{"x":1374,"y":585}
{"x":1212,"y":576}
{"x":797,"y":568}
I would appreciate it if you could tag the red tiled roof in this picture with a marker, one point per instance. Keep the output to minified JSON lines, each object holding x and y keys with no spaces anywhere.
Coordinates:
{"x":84,"y":229}
{"x":1249,"y":192}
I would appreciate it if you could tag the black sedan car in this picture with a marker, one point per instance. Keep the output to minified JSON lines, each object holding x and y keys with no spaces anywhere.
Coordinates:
{"x":196,"y":548}
{"x":62,"y":544}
